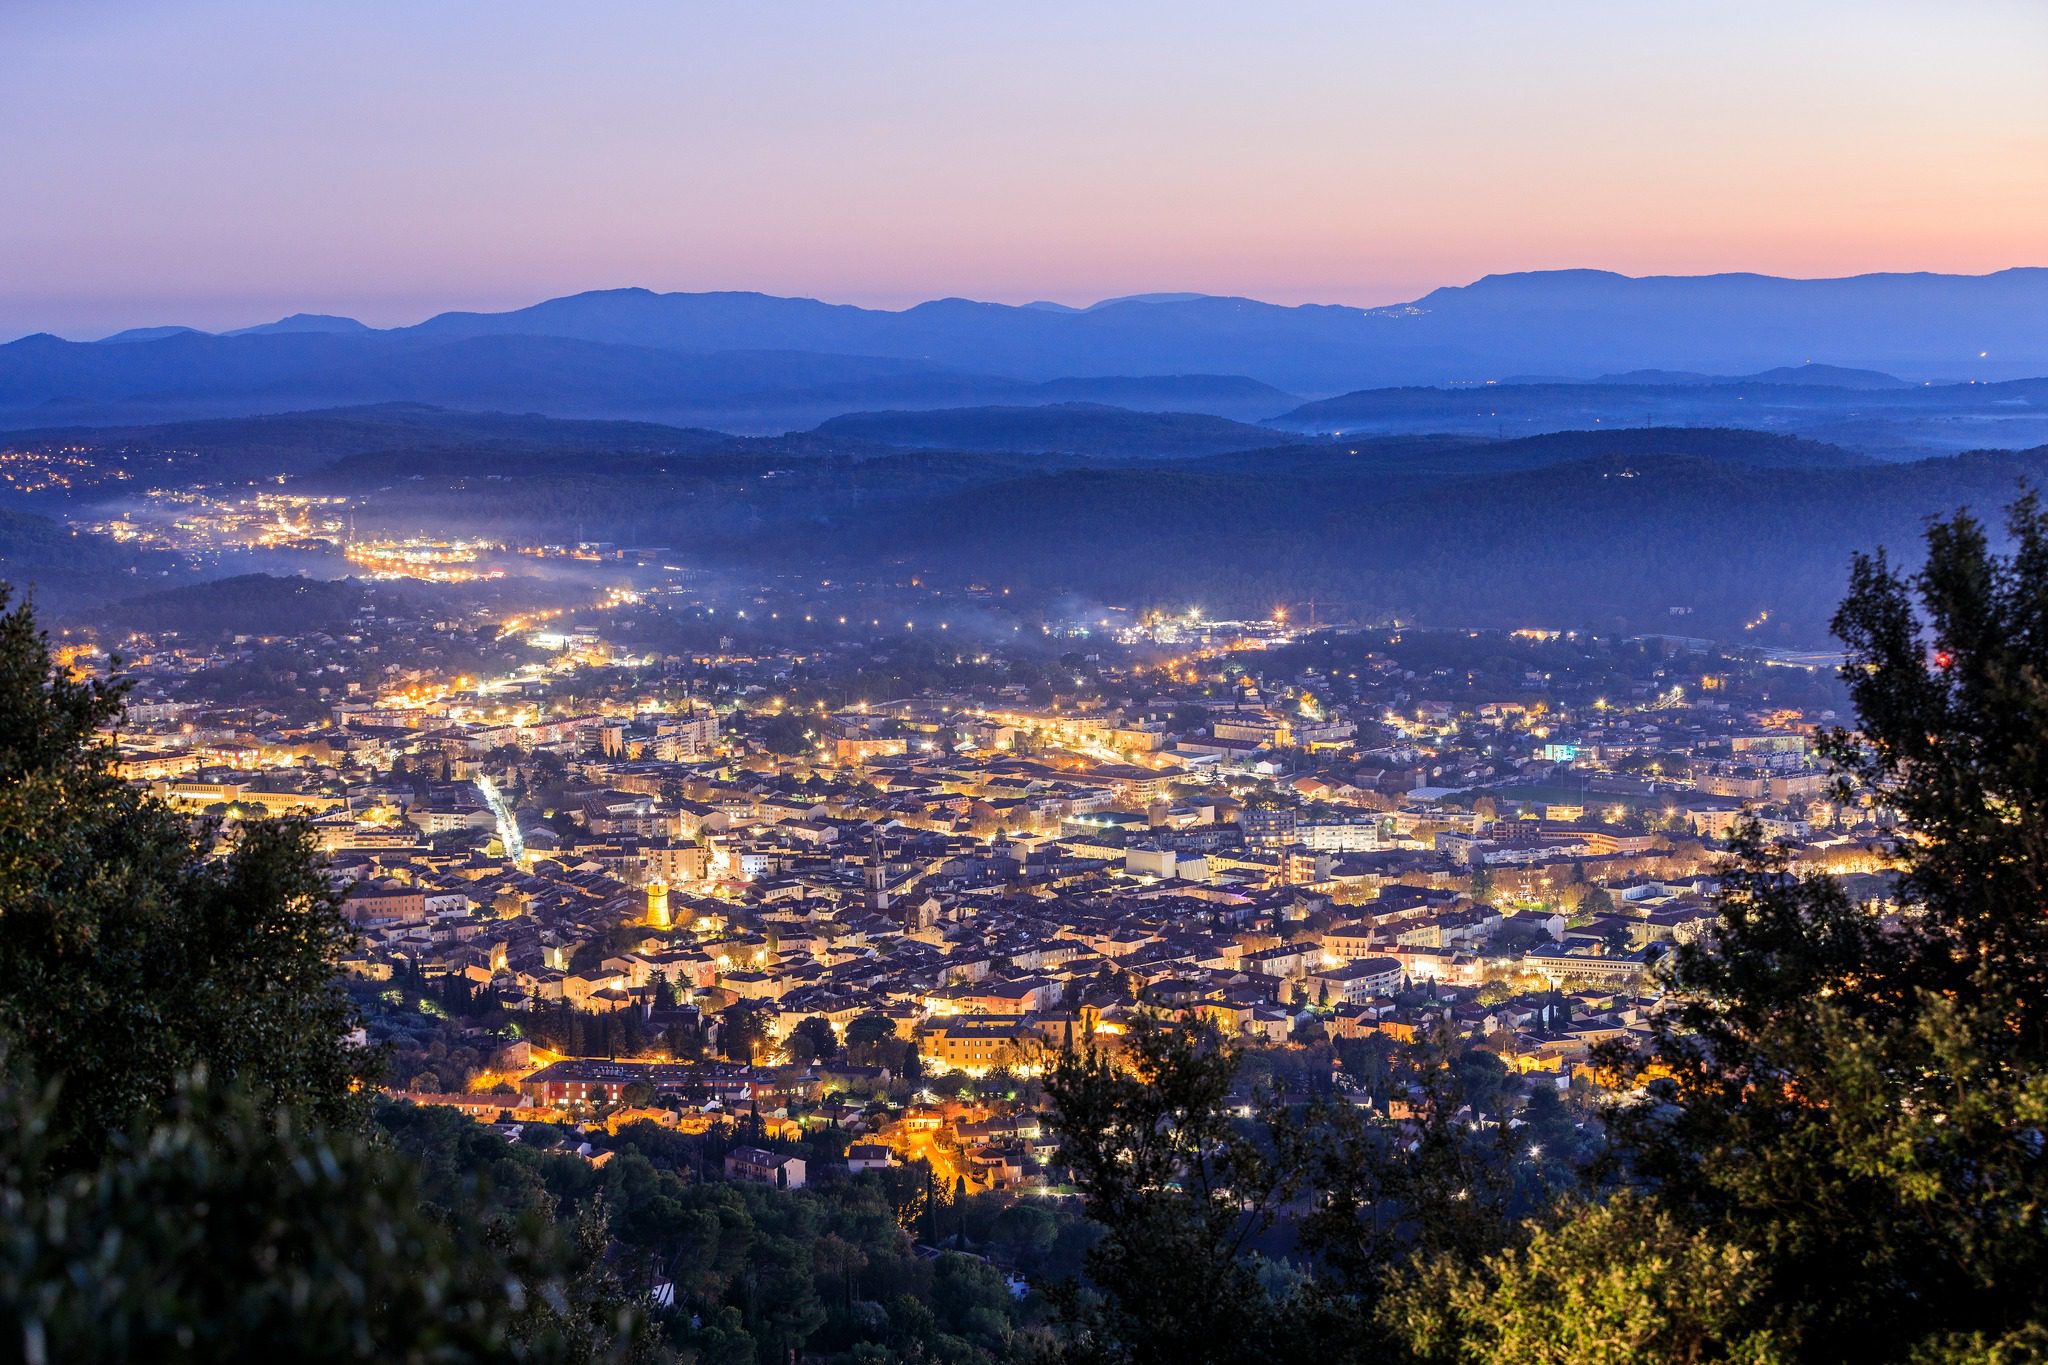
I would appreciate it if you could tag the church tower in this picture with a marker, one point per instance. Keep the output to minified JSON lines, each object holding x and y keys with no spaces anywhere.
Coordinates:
{"x":877,"y":878}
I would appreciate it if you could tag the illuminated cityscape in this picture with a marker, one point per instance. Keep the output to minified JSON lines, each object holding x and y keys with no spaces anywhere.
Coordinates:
{"x":1306,"y":836}
{"x":1057,"y":684}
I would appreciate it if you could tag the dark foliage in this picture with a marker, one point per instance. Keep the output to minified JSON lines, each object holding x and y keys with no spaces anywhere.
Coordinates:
{"x":129,"y":952}
{"x":1835,"y":1082}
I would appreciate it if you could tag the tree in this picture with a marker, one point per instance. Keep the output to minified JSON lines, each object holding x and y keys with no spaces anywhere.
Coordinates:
{"x":684,"y":1041}
{"x":136,"y":944}
{"x":224,"y":1223}
{"x":619,"y":938}
{"x":816,"y":1031}
{"x":1180,"y":1190}
{"x":785,"y":733}
{"x":1606,"y":1284}
{"x":740,"y":1031}
{"x":866,"y":1034}
{"x":1025,"y":1232}
{"x":1835,"y":1151}
{"x":1482,"y":883}
{"x":1832,"y":1080}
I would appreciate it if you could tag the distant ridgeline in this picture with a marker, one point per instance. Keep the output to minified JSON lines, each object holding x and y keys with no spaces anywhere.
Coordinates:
{"x":1603,"y":528}
{"x":756,"y":363}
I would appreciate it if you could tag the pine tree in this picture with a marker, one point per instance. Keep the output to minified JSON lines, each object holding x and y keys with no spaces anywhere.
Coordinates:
{"x":136,"y":944}
{"x":1834,"y":1081}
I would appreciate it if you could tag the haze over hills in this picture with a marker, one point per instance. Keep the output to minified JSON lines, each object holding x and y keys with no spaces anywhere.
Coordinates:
{"x":291,"y":443}
{"x":757,"y":362}
{"x":1065,"y":428}
{"x":1229,"y":396}
{"x":1579,"y":321}
{"x":1605,"y":528}
{"x":1817,"y":375}
{"x":1897,"y":422}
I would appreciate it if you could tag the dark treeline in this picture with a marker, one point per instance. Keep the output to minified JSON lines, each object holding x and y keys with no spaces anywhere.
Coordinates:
{"x":832,"y":1271}
{"x":70,"y":569}
{"x":1607,"y":529}
{"x":1615,"y":541}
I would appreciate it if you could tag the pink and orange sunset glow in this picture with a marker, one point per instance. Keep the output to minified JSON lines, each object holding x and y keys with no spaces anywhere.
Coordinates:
{"x":387,"y":160}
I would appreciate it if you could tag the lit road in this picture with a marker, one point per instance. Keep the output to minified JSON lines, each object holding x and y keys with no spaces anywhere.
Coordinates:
{"x":508,"y":824}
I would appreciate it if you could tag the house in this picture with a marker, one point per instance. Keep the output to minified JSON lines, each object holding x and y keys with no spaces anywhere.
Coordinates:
{"x":384,"y":902}
{"x":1557,"y":966}
{"x":1357,"y":980}
{"x":765,"y":1167}
{"x":869,"y":1156}
{"x":982,"y":1042}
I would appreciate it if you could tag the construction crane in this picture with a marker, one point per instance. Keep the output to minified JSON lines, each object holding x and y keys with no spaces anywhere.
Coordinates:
{"x":1314,"y":604}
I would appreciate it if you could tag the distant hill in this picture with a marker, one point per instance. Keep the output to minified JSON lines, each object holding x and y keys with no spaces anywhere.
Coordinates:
{"x":149,"y":334}
{"x":296,"y":442}
{"x":65,"y":568}
{"x":1220,"y":395}
{"x":1724,"y":445}
{"x":1819,"y":376}
{"x":1068,"y":428}
{"x":340,"y":431}
{"x":757,"y":363}
{"x":180,"y":373}
{"x":1397,"y":462}
{"x":1607,"y":528}
{"x":43,"y":377}
{"x":568,"y":377}
{"x":1829,"y":377}
{"x":1903,"y":422}
{"x":1602,"y":528}
{"x":303,"y":322}
{"x":45,"y":381}
{"x":1609,"y":542}
{"x":1232,"y":396}
{"x":1924,"y":326}
{"x":1182,"y":297}
{"x":249,"y":604}
{"x":1555,"y":322}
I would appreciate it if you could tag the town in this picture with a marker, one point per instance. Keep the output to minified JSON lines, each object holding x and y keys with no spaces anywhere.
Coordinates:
{"x":754,"y":891}
{"x":1055,"y":684}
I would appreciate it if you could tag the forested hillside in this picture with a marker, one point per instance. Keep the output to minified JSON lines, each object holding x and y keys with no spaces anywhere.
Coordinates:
{"x":1070,"y":428}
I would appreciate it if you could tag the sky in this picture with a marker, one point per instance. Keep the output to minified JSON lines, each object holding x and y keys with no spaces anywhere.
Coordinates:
{"x":218,"y":163}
